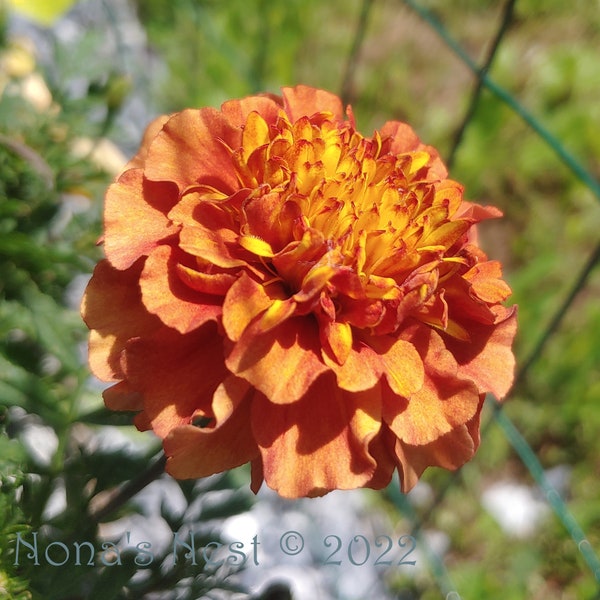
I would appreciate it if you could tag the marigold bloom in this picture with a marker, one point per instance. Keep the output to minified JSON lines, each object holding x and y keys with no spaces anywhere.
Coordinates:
{"x":280,"y":290}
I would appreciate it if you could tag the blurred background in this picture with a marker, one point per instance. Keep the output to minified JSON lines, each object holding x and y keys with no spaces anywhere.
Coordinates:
{"x":79,"y":81}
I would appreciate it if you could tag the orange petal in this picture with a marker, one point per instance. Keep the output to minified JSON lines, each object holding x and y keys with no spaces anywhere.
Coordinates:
{"x":188,"y":150}
{"x":176,"y":374}
{"x":237,"y":111}
{"x":319,"y":443}
{"x":360,"y":371}
{"x":135,"y":218}
{"x":445,"y":235}
{"x":464,"y":305}
{"x":244,"y":301}
{"x":166,"y":295}
{"x":304,"y":101}
{"x":122,"y":396}
{"x":126,"y":318}
{"x":476,"y":212}
{"x":486,"y":282}
{"x":218,"y":247}
{"x":488,"y":359}
{"x":216,"y":283}
{"x":375,"y":356}
{"x":399,"y":138}
{"x":151,"y":132}
{"x":443,"y":403}
{"x":294,"y":261}
{"x":267,"y":219}
{"x":199,"y":200}
{"x":338,"y":338}
{"x":387,"y":461}
{"x":255,"y":133}
{"x":281,"y":363}
{"x":277,"y":313}
{"x":449,"y":451}
{"x":199,"y":452}
{"x":400,"y":363}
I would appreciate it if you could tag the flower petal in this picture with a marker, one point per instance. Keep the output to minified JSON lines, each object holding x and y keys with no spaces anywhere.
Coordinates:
{"x":188,"y":150}
{"x":201,"y":451}
{"x":281,"y":363}
{"x":112,"y":328}
{"x":324,"y":438}
{"x":135,"y":217}
{"x":216,"y":247}
{"x":237,"y":111}
{"x":176,"y":374}
{"x":488,"y":359}
{"x":303,"y":101}
{"x":449,"y":451}
{"x":245,"y":300}
{"x":215,"y":283}
{"x":375,"y":356}
{"x":122,"y":396}
{"x":268,"y":219}
{"x":486,"y":282}
{"x":402,"y":138}
{"x":443,"y":403}
{"x":166,"y":295}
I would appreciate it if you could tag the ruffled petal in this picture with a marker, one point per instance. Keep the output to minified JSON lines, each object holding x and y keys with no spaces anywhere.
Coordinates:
{"x":245,"y":300}
{"x":112,"y":308}
{"x":324,"y":438}
{"x":176,"y":374}
{"x":227,"y":442}
{"x":303,"y":101}
{"x":122,"y":396}
{"x":443,"y":403}
{"x":165,"y":294}
{"x":375,"y":356}
{"x":237,"y":111}
{"x":400,"y":138}
{"x":488,"y":359}
{"x":450,"y":451}
{"x":192,"y":149}
{"x":486,"y":282}
{"x":281,"y":363}
{"x":135,"y":217}
{"x":212,"y":246}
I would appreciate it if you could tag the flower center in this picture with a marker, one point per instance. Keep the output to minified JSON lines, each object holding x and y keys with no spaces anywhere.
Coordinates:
{"x":342,"y":204}
{"x":332,"y":223}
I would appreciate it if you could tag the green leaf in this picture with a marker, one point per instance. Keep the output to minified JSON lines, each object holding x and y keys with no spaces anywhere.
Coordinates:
{"x":49,"y":321}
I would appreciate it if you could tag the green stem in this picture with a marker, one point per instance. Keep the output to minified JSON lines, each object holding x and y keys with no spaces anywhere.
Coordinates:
{"x":479,"y":82}
{"x":351,"y":64}
{"x":578,"y":285}
{"x":129,"y":490}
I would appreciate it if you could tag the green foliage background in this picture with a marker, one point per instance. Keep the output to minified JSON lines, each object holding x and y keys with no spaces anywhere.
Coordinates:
{"x":548,"y":62}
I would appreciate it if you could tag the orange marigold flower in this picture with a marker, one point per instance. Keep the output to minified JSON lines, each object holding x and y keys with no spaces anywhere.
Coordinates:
{"x":281,"y":290}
